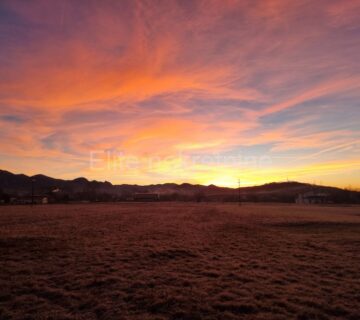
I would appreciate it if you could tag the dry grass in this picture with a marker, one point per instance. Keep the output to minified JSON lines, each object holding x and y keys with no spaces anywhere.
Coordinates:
{"x":179,"y":261}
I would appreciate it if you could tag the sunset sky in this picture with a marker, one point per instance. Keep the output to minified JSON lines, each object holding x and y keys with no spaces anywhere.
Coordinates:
{"x":181,"y":91}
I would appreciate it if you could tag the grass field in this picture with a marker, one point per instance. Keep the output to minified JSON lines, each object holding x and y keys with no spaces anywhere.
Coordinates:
{"x":179,"y":261}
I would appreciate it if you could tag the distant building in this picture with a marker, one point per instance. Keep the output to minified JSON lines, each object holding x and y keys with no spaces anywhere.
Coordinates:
{"x":146,"y":197}
{"x":36,"y":199}
{"x":313,"y":197}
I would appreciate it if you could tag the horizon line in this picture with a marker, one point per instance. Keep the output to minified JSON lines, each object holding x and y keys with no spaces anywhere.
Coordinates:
{"x":178,"y":183}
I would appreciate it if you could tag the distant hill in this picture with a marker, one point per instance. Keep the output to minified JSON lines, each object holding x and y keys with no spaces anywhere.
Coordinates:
{"x":21,"y":184}
{"x":83,"y":189}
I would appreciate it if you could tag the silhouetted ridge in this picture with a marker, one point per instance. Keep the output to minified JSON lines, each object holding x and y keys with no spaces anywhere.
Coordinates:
{"x":83,"y":189}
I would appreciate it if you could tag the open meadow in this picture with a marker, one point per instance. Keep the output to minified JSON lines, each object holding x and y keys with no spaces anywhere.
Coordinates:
{"x":179,"y":261}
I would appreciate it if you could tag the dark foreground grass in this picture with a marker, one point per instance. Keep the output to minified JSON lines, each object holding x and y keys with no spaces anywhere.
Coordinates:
{"x":179,"y":261}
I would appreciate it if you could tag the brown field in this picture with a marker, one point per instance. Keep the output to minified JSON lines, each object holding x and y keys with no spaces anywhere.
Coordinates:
{"x":179,"y":261}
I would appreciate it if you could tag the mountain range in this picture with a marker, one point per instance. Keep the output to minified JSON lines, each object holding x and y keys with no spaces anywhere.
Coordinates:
{"x":82,"y":188}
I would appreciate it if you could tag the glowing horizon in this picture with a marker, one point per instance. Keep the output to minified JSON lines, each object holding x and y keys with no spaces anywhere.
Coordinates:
{"x":185,"y":91}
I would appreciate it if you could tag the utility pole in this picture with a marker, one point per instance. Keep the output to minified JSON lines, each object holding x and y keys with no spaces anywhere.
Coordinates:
{"x":32,"y":191}
{"x":239,"y":193}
